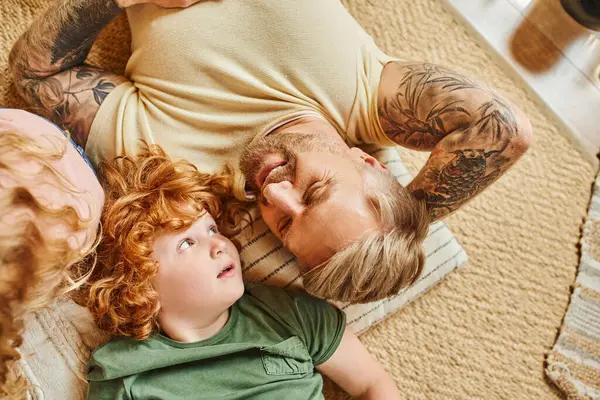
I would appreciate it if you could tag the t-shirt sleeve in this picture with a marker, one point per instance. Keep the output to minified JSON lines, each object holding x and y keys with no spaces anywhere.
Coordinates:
{"x":107,"y":371}
{"x":363,"y":126}
{"x":118,"y":128}
{"x":317,"y":323}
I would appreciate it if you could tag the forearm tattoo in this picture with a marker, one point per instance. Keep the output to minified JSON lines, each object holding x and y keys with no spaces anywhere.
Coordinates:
{"x":473,"y":133}
{"x":447,"y":186}
{"x":47,"y":64}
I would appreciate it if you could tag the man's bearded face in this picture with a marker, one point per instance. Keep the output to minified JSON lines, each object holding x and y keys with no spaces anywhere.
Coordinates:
{"x":311,"y":191}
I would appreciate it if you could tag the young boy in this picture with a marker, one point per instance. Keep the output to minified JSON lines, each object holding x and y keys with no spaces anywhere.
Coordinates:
{"x":170,"y":284}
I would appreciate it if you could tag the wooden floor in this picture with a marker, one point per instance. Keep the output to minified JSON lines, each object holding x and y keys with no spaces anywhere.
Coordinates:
{"x":555,"y":58}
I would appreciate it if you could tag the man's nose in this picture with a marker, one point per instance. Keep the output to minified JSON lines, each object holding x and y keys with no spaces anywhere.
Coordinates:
{"x":217,"y":247}
{"x":284,"y":197}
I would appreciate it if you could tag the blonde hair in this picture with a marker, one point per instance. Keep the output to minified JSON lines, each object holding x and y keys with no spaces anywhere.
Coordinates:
{"x":146,"y":196}
{"x":382,"y":261}
{"x":34,"y":268}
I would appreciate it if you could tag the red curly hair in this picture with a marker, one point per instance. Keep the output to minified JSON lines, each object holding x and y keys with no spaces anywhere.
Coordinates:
{"x":146,"y":196}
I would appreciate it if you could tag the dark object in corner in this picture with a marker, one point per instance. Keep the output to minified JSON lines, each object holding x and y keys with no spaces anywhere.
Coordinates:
{"x":585,"y":12}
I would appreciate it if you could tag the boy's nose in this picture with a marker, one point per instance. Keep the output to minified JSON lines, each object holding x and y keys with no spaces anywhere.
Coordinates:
{"x":218,"y":247}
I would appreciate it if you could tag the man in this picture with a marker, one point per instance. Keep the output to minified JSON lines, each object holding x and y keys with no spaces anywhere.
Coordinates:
{"x":282,"y":87}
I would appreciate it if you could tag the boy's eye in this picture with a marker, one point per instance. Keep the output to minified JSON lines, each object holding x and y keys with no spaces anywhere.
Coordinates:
{"x":185,"y":243}
{"x":213,"y":230}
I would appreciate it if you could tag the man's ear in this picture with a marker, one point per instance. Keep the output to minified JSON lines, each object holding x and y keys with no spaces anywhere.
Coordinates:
{"x":366,"y":158}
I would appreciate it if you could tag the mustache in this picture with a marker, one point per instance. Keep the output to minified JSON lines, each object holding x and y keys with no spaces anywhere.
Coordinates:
{"x":283,"y":173}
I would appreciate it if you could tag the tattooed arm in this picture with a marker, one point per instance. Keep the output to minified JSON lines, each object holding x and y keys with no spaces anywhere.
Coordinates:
{"x":47,"y":64}
{"x":474,"y":135}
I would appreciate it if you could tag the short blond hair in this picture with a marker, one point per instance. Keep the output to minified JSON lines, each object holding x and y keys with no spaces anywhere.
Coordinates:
{"x":382,"y":261}
{"x":34,"y":268}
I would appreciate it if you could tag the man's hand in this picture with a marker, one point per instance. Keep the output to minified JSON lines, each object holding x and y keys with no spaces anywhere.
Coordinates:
{"x":474,"y":135}
{"x":160,"y":3}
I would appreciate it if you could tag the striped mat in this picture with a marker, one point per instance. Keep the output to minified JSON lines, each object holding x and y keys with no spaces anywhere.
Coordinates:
{"x":574,"y":362}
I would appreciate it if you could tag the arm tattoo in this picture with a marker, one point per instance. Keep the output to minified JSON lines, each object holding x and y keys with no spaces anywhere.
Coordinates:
{"x":47,"y":64}
{"x":473,"y":133}
{"x":458,"y":180}
{"x":431,"y":101}
{"x":57,"y":99}
{"x":100,"y":90}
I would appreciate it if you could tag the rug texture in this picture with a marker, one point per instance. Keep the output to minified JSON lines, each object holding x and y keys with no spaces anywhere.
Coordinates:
{"x":574,"y":363}
{"x":484,"y":332}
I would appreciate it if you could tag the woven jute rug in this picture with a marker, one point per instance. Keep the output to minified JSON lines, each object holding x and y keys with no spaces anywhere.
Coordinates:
{"x":574,"y":363}
{"x":485,"y":331}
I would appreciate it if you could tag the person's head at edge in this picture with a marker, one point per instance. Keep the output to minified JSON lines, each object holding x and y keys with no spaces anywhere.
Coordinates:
{"x":50,"y":203}
{"x":161,"y":247}
{"x":356,"y":230}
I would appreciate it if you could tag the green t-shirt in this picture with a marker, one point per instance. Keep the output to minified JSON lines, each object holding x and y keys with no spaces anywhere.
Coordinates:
{"x":268,"y":349}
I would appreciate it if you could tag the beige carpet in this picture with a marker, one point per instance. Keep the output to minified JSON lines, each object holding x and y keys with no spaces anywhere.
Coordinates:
{"x":484,"y":332}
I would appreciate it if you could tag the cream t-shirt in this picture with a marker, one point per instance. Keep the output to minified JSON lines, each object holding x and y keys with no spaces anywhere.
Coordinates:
{"x":208,"y":79}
